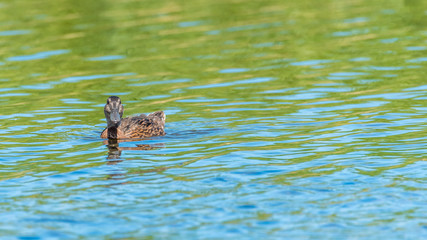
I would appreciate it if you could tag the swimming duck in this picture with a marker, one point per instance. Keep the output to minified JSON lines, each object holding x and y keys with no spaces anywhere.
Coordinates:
{"x":140,"y":126}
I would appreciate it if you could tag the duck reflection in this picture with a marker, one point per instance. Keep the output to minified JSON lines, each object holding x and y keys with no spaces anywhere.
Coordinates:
{"x":115,"y":151}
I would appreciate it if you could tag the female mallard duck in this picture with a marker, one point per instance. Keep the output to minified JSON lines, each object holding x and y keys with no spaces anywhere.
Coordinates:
{"x":140,"y":126}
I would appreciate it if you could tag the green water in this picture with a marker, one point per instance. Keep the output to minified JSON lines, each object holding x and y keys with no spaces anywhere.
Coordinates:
{"x":285,"y":119}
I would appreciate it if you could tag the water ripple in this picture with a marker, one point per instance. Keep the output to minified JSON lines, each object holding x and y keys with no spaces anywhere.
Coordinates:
{"x":40,"y":55}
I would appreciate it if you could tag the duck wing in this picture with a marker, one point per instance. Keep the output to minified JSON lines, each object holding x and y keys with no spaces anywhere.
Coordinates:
{"x":144,"y":126}
{"x":158,"y":117}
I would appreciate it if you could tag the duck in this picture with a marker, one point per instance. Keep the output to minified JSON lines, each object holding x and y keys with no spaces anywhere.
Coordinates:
{"x":139,"y":126}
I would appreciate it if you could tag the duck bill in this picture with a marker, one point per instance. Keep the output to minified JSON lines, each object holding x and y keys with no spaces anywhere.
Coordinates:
{"x":115,"y":117}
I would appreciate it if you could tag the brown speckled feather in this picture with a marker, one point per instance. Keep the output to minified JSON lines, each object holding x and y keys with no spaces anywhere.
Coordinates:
{"x":143,"y":126}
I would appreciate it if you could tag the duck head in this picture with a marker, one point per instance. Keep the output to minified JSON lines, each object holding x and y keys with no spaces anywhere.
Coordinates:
{"x":113,"y":111}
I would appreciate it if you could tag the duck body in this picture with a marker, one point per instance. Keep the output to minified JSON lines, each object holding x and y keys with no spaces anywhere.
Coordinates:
{"x":140,"y":126}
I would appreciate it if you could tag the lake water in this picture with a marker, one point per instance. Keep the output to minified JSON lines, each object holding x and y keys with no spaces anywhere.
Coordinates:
{"x":285,"y":119}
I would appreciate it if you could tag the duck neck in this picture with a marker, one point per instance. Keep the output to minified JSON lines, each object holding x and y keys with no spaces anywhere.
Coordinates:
{"x":112,"y":132}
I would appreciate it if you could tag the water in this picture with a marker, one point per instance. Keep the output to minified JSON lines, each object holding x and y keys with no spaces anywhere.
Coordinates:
{"x":285,"y":120}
